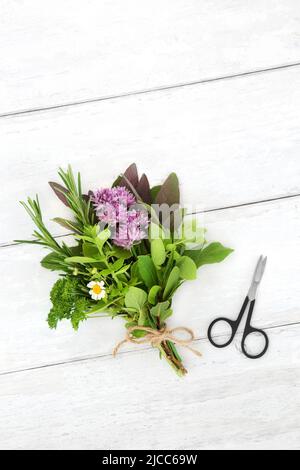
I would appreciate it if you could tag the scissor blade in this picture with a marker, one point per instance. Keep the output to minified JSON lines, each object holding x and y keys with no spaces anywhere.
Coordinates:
{"x":255,"y":275}
{"x":258,"y":274}
{"x":260,"y":269}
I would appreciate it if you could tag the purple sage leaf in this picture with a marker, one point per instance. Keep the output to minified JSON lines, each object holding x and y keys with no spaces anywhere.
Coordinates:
{"x":143,"y":189}
{"x":60,"y":191}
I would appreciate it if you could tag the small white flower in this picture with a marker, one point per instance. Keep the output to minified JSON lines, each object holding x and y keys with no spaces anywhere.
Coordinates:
{"x":97,"y":290}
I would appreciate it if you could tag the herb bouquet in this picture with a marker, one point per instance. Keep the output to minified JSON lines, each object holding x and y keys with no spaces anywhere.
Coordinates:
{"x":134,"y":248}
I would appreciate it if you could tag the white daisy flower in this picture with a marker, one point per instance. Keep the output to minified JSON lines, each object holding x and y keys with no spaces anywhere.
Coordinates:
{"x":97,"y":289}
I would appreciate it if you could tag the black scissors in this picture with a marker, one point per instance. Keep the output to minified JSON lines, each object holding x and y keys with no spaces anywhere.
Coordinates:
{"x":234,"y":324}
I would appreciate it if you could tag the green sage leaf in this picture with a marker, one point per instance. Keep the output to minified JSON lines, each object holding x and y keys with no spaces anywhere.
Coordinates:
{"x":213,"y":253}
{"x":172,"y":282}
{"x":158,"y":252}
{"x":153,"y":293}
{"x":135,"y":298}
{"x":147,"y":270}
{"x":187,"y":267}
{"x":159,"y":308}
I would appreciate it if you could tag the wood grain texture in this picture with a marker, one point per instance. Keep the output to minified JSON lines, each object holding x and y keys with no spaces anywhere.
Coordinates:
{"x":135,"y":402}
{"x":231,"y":142}
{"x":271,"y":228}
{"x":77,"y":50}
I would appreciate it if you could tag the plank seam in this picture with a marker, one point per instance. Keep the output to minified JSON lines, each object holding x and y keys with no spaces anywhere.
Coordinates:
{"x":148,"y":91}
{"x":135,"y":351}
{"x":216,"y":209}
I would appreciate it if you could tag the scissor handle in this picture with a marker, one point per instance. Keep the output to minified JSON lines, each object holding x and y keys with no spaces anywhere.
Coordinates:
{"x":260,"y":332}
{"x":249,"y":330}
{"x":233,"y":325}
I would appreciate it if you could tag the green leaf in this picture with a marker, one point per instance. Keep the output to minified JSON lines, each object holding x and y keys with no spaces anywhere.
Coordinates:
{"x":117,"y":265}
{"x":123,"y":269}
{"x":154,"y":192}
{"x":134,"y":270}
{"x":172,"y":282}
{"x":169,"y":191}
{"x":105,"y":272}
{"x":75,"y":250}
{"x":166,"y":314}
{"x":89,"y":250}
{"x":147,"y":270}
{"x":81,"y":260}
{"x":139,"y":333}
{"x":53,"y":261}
{"x":213,"y":253}
{"x":115,"y":268}
{"x":193,"y":234}
{"x":130,"y":323}
{"x":135,"y":298}
{"x":159,"y":308}
{"x":153,"y":293}
{"x":143,"y":318}
{"x":135,"y":333}
{"x":68,"y":224}
{"x":187,"y":267}
{"x":158,"y":251}
{"x":121,"y":253}
{"x":195,"y":255}
{"x":101,"y":238}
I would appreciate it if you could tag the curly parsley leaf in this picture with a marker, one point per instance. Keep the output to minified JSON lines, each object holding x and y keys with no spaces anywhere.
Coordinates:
{"x":67,"y":303}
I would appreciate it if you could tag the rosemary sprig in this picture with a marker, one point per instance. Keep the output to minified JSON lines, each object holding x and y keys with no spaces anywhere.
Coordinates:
{"x":42,"y":236}
{"x":77,"y":201}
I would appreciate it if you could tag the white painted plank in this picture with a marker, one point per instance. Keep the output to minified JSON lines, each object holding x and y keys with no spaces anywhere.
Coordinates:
{"x":269,"y":228}
{"x":230,"y":142}
{"x":58,"y":52}
{"x":135,"y":402}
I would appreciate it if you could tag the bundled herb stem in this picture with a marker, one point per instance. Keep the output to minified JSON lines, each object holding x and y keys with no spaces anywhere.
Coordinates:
{"x":129,"y":257}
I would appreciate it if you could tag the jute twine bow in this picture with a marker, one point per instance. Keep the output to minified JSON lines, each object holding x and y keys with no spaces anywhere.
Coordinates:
{"x":157,"y":337}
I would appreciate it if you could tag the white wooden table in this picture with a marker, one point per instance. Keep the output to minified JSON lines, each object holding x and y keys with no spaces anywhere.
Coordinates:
{"x":209,"y":89}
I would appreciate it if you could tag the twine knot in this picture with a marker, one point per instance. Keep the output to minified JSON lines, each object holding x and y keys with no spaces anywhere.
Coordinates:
{"x":157,"y":337}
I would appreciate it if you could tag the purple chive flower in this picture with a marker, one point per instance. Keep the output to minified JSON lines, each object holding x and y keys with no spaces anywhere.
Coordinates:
{"x":115,"y":208}
{"x":113,"y":196}
{"x":110,"y":203}
{"x":134,"y":230}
